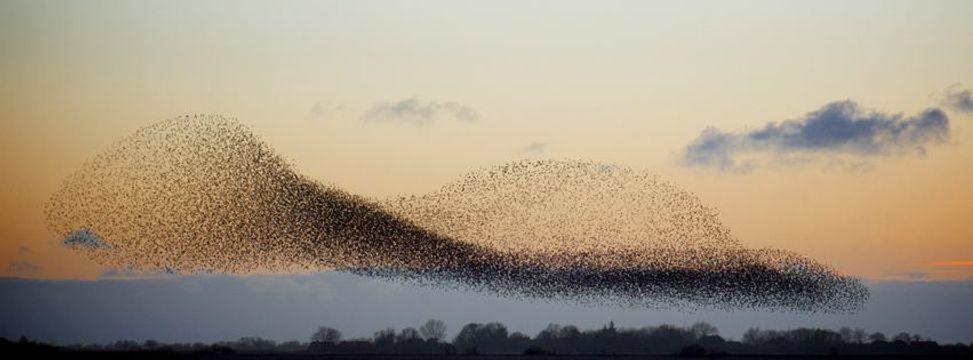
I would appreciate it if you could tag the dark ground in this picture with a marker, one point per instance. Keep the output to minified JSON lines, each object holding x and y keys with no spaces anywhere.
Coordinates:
{"x":306,"y":356}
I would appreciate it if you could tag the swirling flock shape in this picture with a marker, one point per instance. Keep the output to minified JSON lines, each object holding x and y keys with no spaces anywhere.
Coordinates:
{"x":203,"y":193}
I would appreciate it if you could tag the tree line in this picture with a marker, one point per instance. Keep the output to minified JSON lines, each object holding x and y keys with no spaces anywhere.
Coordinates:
{"x":699,"y":339}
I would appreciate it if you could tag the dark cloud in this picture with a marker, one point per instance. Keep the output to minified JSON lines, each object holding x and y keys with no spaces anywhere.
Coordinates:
{"x":961,"y":100}
{"x":837,"y":129}
{"x":418,"y":112}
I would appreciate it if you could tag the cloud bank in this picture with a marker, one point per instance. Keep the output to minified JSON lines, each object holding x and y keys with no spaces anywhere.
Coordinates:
{"x":418,"y":112}
{"x":837,"y":129}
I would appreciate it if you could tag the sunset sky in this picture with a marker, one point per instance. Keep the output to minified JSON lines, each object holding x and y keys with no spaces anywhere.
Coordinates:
{"x":387,"y":98}
{"x":840,"y":130}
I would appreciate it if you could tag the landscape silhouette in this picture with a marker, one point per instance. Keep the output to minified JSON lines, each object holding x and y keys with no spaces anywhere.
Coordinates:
{"x":495,"y":339}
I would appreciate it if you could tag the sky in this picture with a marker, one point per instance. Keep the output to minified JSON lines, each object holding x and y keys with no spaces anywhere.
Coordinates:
{"x":838,"y":130}
{"x":288,"y":307}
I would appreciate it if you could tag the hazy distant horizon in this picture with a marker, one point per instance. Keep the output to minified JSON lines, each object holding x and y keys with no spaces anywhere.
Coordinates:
{"x":290,"y":307}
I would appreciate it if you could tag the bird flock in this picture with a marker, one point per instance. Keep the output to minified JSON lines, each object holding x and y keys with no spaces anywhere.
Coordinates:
{"x":202,"y":193}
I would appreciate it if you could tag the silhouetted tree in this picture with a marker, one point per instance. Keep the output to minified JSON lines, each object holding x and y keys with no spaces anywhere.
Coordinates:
{"x":433,"y":330}
{"x":518,"y":340}
{"x":408,"y":334}
{"x":484,"y":338}
{"x":249,"y":343}
{"x":703,"y":329}
{"x":877,"y":337}
{"x":122,"y":345}
{"x":326,"y":334}
{"x":903,"y":337}
{"x":291,"y":346}
{"x":753,"y":336}
{"x":852,"y":336}
{"x":150,"y":344}
{"x":492,"y":338}
{"x":384,"y":338}
{"x":846,"y":334}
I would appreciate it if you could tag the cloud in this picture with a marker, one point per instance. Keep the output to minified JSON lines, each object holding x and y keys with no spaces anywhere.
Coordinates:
{"x":835,"y":130}
{"x":418,"y":112}
{"x":535,"y":148}
{"x":959,"y":99}
{"x":23,"y":268}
